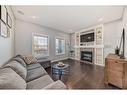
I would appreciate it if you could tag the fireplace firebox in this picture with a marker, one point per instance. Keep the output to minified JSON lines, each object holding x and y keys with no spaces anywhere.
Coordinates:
{"x":86,"y":56}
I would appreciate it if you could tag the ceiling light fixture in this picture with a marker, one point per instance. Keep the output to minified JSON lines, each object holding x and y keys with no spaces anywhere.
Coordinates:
{"x":35,"y":17}
{"x":101,"y":19}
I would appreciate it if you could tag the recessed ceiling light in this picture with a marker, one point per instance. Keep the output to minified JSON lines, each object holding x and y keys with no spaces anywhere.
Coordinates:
{"x":101,"y":19}
{"x":34,"y":17}
{"x":20,"y":12}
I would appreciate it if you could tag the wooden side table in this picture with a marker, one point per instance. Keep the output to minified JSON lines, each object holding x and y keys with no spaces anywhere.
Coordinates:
{"x":116,"y":71}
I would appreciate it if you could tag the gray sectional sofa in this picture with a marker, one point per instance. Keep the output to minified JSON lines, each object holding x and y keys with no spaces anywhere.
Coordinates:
{"x":16,"y":74}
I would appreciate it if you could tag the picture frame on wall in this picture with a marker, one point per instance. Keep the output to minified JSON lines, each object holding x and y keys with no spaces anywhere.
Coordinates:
{"x":3,"y":29}
{"x":9,"y":20}
{"x":3,"y":12}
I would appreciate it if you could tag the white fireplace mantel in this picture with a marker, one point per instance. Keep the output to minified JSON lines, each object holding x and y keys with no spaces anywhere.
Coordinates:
{"x":93,"y":46}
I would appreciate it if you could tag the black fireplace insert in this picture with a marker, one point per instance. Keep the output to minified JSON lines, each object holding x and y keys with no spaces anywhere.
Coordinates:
{"x":86,"y":56}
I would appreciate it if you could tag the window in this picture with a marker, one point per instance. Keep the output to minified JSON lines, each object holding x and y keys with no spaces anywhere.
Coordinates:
{"x":60,"y":46}
{"x":40,"y":45}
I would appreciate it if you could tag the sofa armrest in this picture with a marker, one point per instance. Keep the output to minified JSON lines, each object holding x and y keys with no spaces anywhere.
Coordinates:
{"x":56,"y":85}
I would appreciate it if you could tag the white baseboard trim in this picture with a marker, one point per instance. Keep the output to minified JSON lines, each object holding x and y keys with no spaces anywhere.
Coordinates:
{"x":71,"y":58}
{"x":100,"y":65}
{"x":59,"y":59}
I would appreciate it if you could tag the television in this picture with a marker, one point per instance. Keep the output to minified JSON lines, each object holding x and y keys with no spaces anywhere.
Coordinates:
{"x":122,"y":45}
{"x":87,"y":37}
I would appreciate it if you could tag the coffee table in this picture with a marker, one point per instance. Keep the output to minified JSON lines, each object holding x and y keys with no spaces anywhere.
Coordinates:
{"x":60,"y":70}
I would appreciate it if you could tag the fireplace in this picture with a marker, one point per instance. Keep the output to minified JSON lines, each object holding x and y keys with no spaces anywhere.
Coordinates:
{"x":87,"y":56}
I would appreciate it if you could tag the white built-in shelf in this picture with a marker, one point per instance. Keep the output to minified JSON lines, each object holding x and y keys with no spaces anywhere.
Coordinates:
{"x":97,"y":45}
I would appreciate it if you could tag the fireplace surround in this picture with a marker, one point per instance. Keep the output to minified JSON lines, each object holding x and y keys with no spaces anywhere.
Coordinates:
{"x":96,"y":47}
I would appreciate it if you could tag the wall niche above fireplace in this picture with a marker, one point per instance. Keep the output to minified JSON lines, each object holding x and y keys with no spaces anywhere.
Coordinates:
{"x":87,"y":38}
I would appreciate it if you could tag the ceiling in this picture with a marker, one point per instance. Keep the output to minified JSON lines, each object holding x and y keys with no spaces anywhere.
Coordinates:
{"x":68,"y":18}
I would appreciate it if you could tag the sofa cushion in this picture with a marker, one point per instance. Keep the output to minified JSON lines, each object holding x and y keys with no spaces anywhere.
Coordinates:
{"x":35,"y":73}
{"x":22,"y":57}
{"x":56,"y":85}
{"x":20,"y":60}
{"x":9,"y":79}
{"x":18,"y":68}
{"x":40,"y":82}
{"x":29,"y":59}
{"x":33,"y":66}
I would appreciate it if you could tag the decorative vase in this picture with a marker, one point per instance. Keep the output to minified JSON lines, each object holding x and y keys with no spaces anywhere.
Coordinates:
{"x":117,"y":51}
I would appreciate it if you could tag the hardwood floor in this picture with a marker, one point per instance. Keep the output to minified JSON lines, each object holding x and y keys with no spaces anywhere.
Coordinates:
{"x":83,"y":76}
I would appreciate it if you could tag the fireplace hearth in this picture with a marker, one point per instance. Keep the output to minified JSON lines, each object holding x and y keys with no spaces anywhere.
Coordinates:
{"x":87,"y":56}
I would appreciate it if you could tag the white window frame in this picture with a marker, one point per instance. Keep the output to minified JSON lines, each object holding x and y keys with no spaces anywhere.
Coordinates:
{"x":64,"y":45}
{"x":39,"y":55}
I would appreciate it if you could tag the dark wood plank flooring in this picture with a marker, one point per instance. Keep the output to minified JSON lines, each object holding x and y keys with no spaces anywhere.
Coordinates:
{"x":83,"y":76}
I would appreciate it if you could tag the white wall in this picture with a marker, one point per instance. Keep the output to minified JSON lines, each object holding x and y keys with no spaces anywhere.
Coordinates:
{"x":7,"y":44}
{"x":23,"y":38}
{"x":112,"y":36}
{"x":124,"y":24}
{"x":72,"y":44}
{"x":72,"y":39}
{"x":113,"y":33}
